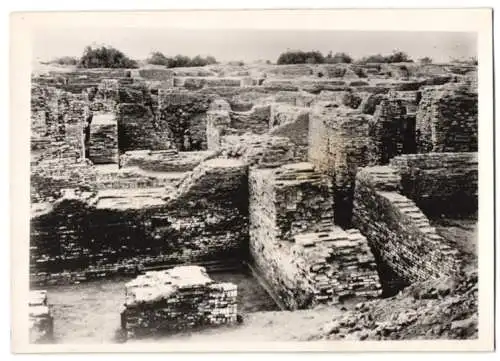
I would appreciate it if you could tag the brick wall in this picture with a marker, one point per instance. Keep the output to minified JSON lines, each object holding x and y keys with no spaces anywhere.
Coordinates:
{"x":103,"y":140}
{"x":440,"y":183}
{"x":183,"y":113}
{"x":446,"y":119}
{"x":138,"y":129}
{"x":339,"y":144}
{"x":399,"y":233}
{"x":294,"y":245}
{"x":120,"y":231}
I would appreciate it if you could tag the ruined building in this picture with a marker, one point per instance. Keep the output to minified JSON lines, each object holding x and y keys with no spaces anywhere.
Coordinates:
{"x":327,"y":186}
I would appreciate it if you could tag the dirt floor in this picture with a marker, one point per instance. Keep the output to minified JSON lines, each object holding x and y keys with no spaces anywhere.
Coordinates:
{"x":460,"y":233}
{"x":90,"y":312}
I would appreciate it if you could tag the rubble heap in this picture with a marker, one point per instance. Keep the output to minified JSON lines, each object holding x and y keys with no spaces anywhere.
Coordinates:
{"x":177,"y":299}
{"x":41,"y":323}
{"x":446,"y":308}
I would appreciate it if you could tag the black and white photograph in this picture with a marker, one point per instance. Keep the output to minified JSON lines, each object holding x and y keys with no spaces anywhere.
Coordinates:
{"x":197,"y":180}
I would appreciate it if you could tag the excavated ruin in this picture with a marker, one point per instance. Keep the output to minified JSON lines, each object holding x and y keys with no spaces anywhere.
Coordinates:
{"x":336,"y":185}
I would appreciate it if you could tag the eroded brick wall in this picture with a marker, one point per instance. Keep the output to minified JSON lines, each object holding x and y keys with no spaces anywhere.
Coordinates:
{"x":440,"y":183}
{"x":294,"y":245}
{"x":447,"y":119}
{"x":399,"y":233}
{"x":93,"y":235}
{"x":339,"y":144}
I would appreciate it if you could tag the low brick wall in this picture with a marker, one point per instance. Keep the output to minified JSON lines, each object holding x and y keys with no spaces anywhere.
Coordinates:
{"x":178,"y":299}
{"x":121,"y":231}
{"x":169,"y":160}
{"x":398,"y":232}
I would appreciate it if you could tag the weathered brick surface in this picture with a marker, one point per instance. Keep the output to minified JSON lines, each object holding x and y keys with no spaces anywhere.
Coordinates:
{"x":293,"y":242}
{"x":339,"y":144}
{"x":440,"y":183}
{"x":117,"y":231}
{"x":397,"y":230}
{"x":183,"y":114}
{"x":218,"y":122}
{"x":262,"y":151}
{"x":170,"y":160}
{"x":447,"y":119}
{"x":177,"y":299}
{"x":391,"y":131}
{"x":293,"y":123}
{"x":138,"y":129}
{"x":103,"y":140}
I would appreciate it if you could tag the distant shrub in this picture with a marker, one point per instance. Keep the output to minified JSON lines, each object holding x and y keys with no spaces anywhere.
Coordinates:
{"x":425,"y":60}
{"x":236,"y":63}
{"x":338,"y":58}
{"x":158,"y":58}
{"x":300,"y":57}
{"x":65,"y":60}
{"x":105,"y":57}
{"x":470,"y":61}
{"x":395,"y":57}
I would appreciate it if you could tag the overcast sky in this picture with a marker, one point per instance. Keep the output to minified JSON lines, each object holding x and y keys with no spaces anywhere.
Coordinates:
{"x":249,"y":45}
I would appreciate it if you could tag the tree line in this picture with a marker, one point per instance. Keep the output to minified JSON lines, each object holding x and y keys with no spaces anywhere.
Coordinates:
{"x":109,"y":57}
{"x":316,"y":57}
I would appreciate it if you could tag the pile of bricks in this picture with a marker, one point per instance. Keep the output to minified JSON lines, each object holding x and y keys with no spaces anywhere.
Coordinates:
{"x":41,"y":323}
{"x":178,"y":299}
{"x":335,"y":265}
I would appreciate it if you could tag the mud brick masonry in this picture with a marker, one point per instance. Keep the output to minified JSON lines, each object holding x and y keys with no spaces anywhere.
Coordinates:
{"x":323,"y":179}
{"x":178,"y":299}
{"x":41,"y":323}
{"x":293,"y":244}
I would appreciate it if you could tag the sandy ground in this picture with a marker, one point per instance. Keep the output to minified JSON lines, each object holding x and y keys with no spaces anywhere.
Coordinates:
{"x":299,"y":325}
{"x":90,"y":312}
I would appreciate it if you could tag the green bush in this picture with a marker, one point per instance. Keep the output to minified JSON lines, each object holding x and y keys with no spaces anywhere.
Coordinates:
{"x":338,"y":58}
{"x":425,"y":60}
{"x":395,"y":57}
{"x":105,"y":57}
{"x":158,"y":58}
{"x":300,"y":57}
